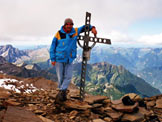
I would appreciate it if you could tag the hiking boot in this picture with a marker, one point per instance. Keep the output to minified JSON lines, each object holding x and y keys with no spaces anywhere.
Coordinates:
{"x":64,"y":95}
{"x":61,"y":96}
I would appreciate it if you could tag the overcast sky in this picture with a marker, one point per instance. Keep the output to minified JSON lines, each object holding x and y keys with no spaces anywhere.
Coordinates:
{"x":32,"y":22}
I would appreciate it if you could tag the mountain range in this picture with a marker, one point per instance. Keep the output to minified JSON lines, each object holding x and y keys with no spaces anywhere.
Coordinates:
{"x":21,"y":71}
{"x":102,"y":78}
{"x":152,"y":76}
{"x":146,"y":63}
{"x":12,"y":54}
{"x":110,"y":80}
{"x":113,"y":81}
{"x":131,"y":58}
{"x":143,"y":62}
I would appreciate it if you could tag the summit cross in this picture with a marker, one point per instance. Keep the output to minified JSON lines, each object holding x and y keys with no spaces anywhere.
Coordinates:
{"x":87,"y":50}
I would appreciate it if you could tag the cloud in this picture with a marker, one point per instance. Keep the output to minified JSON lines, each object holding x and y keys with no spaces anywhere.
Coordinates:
{"x":27,"y":40}
{"x":38,"y":20}
{"x":117,"y":36}
{"x":151,"y":39}
{"x":120,"y":38}
{"x":44,"y":17}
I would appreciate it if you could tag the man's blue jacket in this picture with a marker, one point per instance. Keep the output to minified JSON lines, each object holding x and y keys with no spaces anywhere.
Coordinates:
{"x":64,"y":45}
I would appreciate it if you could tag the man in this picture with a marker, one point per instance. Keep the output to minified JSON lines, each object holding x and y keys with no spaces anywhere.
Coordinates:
{"x":62,"y":53}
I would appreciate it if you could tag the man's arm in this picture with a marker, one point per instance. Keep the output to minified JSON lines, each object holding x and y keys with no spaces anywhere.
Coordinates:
{"x":52,"y":51}
{"x":92,"y":29}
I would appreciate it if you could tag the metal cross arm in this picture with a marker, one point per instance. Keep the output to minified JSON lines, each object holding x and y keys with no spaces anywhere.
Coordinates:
{"x":86,"y":51}
{"x":95,"y":39}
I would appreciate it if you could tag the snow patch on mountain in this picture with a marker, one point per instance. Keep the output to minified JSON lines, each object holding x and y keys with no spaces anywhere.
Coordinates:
{"x":17,"y":86}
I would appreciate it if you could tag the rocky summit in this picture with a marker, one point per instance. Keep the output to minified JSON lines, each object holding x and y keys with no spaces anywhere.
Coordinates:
{"x":33,"y":100}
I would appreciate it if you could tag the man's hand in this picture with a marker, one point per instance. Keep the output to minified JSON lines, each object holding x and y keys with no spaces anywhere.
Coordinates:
{"x":94,"y":31}
{"x":53,"y":63}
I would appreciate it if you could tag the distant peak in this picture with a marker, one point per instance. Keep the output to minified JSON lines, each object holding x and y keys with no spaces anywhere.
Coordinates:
{"x":102,"y":63}
{"x":8,"y":45}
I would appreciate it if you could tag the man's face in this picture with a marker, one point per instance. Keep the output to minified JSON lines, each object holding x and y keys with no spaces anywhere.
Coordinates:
{"x":68,"y":27}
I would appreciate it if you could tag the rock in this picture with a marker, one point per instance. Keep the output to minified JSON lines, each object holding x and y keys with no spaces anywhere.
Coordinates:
{"x":18,"y":114}
{"x":107,"y":119}
{"x":127,"y":101}
{"x":144,"y":111}
{"x":38,"y":112}
{"x":97,"y":105}
{"x":45,"y":119}
{"x":108,"y":109}
{"x":11,"y":102}
{"x":98,"y":120}
{"x":136,"y":117}
{"x":157,"y":114}
{"x":94,"y":108}
{"x":53,"y":95}
{"x":2,"y":113}
{"x":123,"y":108}
{"x":4,"y":93}
{"x":74,"y":93}
{"x":100,"y":111}
{"x":150,"y":103}
{"x":107,"y":101}
{"x":95,"y":99}
{"x":76,"y":104}
{"x":73,"y":114}
{"x":133,"y":96}
{"x":150,"y":98}
{"x":94,"y":116}
{"x":116,"y":102}
{"x":32,"y":107}
{"x":115,"y":115}
{"x":159,"y":103}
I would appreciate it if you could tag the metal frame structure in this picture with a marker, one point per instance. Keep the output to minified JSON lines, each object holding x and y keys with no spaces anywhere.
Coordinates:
{"x":87,"y":50}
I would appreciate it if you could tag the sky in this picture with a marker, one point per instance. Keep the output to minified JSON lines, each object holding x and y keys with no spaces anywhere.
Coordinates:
{"x":136,"y":23}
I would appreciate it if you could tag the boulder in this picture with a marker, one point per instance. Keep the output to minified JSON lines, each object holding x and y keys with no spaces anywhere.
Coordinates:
{"x":45,"y":119}
{"x":98,"y":120}
{"x":18,"y":114}
{"x":95,"y":99}
{"x":150,"y":103}
{"x":73,"y":114}
{"x":159,"y":103}
{"x":115,"y":115}
{"x":144,"y":111}
{"x":136,"y":117}
{"x":123,"y":108}
{"x":4,"y":93}
{"x":2,"y":113}
{"x":133,"y":96}
{"x":116,"y":102}
{"x":108,"y":119}
{"x":76,"y":104}
{"x":11,"y":102}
